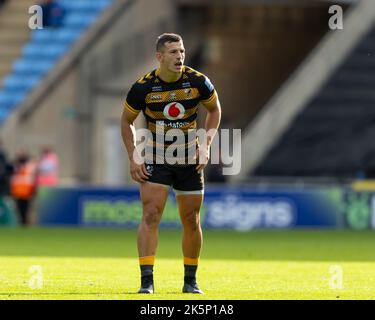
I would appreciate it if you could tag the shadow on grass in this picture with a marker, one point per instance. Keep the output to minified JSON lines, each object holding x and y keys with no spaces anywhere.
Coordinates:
{"x":85,"y":294}
{"x":297,"y":245}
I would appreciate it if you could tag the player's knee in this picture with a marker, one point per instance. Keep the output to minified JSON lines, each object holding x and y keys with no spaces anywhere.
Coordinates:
{"x":192,"y":221}
{"x":151,"y":216}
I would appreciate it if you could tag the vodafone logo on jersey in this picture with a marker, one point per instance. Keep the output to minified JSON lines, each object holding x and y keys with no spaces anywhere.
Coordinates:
{"x":174,"y":111}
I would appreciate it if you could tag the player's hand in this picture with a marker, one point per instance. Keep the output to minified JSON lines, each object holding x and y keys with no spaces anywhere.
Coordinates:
{"x":138,"y":172}
{"x":203,"y":155}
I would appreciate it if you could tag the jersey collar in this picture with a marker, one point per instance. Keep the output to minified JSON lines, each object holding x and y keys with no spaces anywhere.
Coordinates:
{"x":157,"y":71}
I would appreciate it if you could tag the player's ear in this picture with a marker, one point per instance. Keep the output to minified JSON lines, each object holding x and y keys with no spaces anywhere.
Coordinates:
{"x":159,"y":56}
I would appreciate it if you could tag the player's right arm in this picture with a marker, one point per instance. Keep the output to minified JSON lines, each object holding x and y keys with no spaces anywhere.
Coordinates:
{"x":137,"y":167}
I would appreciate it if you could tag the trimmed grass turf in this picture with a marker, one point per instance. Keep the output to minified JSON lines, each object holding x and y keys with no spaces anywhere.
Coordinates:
{"x":103,"y":264}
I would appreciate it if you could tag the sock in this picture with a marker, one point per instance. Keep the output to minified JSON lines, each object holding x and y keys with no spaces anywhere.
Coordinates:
{"x":147,"y":267}
{"x":147,"y":271}
{"x":191,"y":266}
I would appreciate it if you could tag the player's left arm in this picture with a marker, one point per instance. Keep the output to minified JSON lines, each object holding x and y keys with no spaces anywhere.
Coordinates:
{"x":212,"y":105}
{"x":213,"y":117}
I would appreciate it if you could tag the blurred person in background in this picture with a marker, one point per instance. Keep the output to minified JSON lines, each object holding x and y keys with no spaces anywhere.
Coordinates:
{"x":6,"y":170}
{"x":170,"y":95}
{"x":48,"y":168}
{"x":23,"y":185}
{"x":53,"y":13}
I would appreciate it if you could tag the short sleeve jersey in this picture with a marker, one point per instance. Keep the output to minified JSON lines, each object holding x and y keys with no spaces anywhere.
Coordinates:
{"x":170,"y":105}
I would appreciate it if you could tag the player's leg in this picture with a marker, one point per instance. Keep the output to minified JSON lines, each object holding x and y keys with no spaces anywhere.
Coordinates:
{"x":22,"y":211}
{"x":189,"y":206}
{"x":153,"y":197}
{"x":188,"y":186}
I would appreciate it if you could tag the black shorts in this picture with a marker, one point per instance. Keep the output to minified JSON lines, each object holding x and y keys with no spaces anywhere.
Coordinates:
{"x":183,"y":179}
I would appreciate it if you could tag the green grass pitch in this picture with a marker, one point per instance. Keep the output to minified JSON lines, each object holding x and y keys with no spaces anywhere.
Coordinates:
{"x":103,"y":264}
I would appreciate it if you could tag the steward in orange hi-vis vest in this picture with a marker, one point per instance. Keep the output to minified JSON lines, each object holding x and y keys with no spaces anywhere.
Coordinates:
{"x":23,"y":182}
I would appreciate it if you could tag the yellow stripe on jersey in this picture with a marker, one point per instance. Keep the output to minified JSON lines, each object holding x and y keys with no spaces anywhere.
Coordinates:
{"x":190,"y":125}
{"x":173,"y":95}
{"x":210,"y":99}
{"x":149,"y":76}
{"x":129,"y":108}
{"x":197,"y":73}
{"x":141,"y":80}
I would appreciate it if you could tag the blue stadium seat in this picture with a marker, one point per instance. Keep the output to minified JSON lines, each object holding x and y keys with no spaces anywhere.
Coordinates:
{"x":68,"y":35}
{"x":50,"y":51}
{"x":56,"y":50}
{"x":32,"y":67}
{"x":43,"y":35}
{"x":8,"y":100}
{"x":84,"y":5}
{"x":63,"y":35}
{"x":3,"y":114}
{"x":5,"y":102}
{"x":45,"y":47}
{"x":21,"y":82}
{"x":102,"y":4}
{"x":77,"y":20}
{"x":77,"y":5}
{"x":31,"y":50}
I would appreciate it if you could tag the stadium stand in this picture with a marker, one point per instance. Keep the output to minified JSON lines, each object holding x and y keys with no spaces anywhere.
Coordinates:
{"x":45,"y":47}
{"x":334,"y":133}
{"x":242,"y":43}
{"x":14,"y":32}
{"x":241,"y":37}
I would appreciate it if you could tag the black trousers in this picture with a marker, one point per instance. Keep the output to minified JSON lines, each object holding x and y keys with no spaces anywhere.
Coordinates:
{"x":23,"y":206}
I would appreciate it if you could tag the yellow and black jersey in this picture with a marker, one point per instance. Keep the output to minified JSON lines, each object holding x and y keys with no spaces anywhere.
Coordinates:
{"x":170,"y":105}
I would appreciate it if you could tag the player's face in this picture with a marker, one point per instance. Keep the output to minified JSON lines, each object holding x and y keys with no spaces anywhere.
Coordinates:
{"x":172,"y":56}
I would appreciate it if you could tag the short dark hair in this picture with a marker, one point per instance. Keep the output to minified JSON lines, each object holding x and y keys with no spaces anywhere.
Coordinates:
{"x":166,"y":37}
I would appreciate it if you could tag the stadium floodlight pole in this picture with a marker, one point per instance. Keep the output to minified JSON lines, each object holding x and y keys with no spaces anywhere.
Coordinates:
{"x":169,"y":98}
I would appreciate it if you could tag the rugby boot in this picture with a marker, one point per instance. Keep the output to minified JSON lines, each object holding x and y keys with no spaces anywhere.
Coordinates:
{"x":191,"y":287}
{"x":147,"y":285}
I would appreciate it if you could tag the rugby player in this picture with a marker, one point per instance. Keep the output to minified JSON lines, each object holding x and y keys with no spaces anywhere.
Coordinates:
{"x":169,"y":97}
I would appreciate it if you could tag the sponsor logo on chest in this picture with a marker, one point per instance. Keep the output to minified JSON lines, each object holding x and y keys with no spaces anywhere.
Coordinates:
{"x":157,"y":88}
{"x":174,"y":111}
{"x":188,"y":93}
{"x":172,"y":96}
{"x":154,"y":97}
